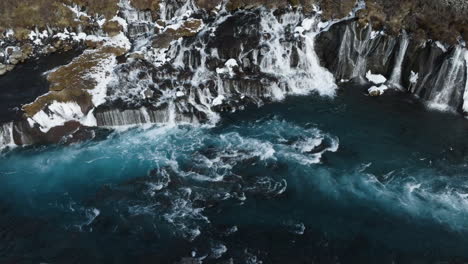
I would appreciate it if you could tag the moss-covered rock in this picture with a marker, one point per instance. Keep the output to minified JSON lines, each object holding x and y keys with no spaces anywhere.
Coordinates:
{"x":446,"y":21}
{"x":152,"y":5}
{"x":334,"y":9}
{"x":112,"y":28}
{"x":71,"y":83}
{"x":188,"y":29}
{"x":107,"y":8}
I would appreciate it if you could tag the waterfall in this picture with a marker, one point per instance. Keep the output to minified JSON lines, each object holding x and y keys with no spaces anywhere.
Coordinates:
{"x":164,"y":115}
{"x":196,"y":65}
{"x":203,"y":75}
{"x":465,"y":95}
{"x":395,"y":78}
{"x":300,"y":74}
{"x":355,"y":47}
{"x":6,"y":135}
{"x":436,"y":75}
{"x":362,"y":47}
{"x":449,"y":83}
{"x":116,"y":117}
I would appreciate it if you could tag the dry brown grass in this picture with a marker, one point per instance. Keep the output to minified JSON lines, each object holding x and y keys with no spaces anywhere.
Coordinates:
{"x":71,"y":82}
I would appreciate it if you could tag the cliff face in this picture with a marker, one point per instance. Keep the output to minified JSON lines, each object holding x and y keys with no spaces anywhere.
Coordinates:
{"x":154,"y":61}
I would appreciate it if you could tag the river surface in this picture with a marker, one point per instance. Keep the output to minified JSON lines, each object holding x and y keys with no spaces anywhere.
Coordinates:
{"x":352,"y":179}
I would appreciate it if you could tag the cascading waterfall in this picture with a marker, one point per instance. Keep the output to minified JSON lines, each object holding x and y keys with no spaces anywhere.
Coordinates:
{"x":465,"y":95}
{"x":269,"y":56}
{"x":200,"y":77}
{"x":354,"y":50}
{"x":429,"y":70}
{"x":449,"y":82}
{"x":395,"y":79}
{"x":6,"y":135}
{"x":299,"y":73}
{"x":361,"y":64}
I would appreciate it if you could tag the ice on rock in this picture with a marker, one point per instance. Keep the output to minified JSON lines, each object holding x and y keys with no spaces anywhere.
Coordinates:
{"x":414,"y":77}
{"x":375,"y":78}
{"x":218,"y":100}
{"x":228,"y":68}
{"x":377,"y":90}
{"x":59,"y":113}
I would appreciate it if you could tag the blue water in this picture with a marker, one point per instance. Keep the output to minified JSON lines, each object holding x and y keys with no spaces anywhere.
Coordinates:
{"x":352,"y":179}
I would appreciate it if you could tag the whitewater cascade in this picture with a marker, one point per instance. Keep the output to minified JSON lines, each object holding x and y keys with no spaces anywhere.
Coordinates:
{"x":431,"y":71}
{"x":355,"y":49}
{"x":6,"y":135}
{"x":449,"y":82}
{"x":195,"y":78}
{"x":395,"y":78}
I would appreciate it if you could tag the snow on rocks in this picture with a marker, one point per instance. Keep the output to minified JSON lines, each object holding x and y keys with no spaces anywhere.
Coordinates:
{"x":58,"y":114}
{"x":229,"y":68}
{"x":377,"y":91}
{"x":218,"y":100}
{"x":375,"y":78}
{"x":414,"y":78}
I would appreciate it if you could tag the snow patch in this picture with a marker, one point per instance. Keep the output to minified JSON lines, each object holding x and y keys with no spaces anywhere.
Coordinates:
{"x":218,"y":100}
{"x":122,"y":22}
{"x":228,"y":68}
{"x":375,"y":34}
{"x":9,"y":33}
{"x":58,"y":113}
{"x":377,"y":91}
{"x":414,"y":77}
{"x":375,"y":78}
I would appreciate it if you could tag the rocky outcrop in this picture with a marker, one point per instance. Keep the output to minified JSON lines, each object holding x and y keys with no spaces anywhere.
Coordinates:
{"x":443,"y":20}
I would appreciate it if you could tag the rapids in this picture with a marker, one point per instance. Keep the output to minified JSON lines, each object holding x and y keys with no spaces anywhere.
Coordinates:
{"x":351,"y":179}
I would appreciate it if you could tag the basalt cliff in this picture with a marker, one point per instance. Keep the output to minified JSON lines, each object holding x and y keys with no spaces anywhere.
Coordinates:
{"x":186,"y":61}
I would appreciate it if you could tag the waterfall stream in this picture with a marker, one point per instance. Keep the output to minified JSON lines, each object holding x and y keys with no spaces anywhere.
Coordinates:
{"x":199,"y":76}
{"x":395,"y":78}
{"x":450,"y":82}
{"x":6,"y":135}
